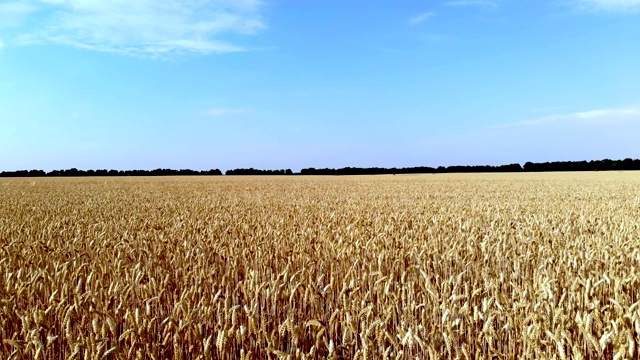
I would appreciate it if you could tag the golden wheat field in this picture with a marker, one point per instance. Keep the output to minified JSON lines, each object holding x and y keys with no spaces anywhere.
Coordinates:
{"x":485,"y":266}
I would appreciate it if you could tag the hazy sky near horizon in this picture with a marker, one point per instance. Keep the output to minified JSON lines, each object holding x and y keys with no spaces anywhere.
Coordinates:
{"x":201,"y":84}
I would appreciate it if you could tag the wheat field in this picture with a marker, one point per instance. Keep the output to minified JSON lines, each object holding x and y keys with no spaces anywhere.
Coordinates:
{"x":452,"y":266}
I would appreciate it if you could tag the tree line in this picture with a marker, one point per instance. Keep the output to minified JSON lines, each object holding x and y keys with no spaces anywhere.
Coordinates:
{"x":411,"y":170}
{"x":252,"y":171}
{"x":593,"y":165}
{"x":75,"y":172}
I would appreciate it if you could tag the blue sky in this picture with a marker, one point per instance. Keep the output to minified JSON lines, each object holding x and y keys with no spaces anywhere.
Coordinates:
{"x":142,"y":84}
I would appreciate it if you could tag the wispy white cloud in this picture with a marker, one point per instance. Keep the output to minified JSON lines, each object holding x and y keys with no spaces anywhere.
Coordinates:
{"x":13,"y":13}
{"x":216,"y":112}
{"x":141,"y":27}
{"x":419,"y":19}
{"x":607,"y":115}
{"x":598,"y":116}
{"x":485,"y":3}
{"x":609,"y":5}
{"x":584,"y":135}
{"x":1,"y":45}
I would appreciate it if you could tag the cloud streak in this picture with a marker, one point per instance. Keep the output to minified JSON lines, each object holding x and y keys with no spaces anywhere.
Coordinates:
{"x":598,"y":116}
{"x":593,"y":134}
{"x":419,"y":19}
{"x":619,"y":6}
{"x":14,"y":13}
{"x":141,"y":27}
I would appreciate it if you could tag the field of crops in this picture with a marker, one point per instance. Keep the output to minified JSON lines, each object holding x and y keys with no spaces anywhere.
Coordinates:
{"x":428,"y":266}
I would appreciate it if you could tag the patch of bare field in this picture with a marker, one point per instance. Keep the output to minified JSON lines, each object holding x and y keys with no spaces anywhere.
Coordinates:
{"x":424,"y":266}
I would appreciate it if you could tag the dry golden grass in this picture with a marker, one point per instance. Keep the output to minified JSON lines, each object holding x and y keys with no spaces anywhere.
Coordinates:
{"x":433,"y":266}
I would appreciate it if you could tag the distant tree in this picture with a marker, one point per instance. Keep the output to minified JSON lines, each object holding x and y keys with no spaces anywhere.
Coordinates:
{"x":627,"y":164}
{"x":529,"y":166}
